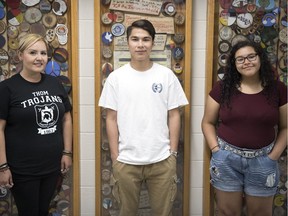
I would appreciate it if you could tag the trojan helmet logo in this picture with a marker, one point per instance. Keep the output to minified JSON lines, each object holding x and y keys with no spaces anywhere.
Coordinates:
{"x":46,"y":115}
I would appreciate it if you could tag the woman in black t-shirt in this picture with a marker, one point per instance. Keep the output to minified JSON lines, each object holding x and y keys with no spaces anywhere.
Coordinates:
{"x":35,"y":130}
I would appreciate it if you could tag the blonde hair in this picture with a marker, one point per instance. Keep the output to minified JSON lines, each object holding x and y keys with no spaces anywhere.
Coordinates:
{"x":28,"y":40}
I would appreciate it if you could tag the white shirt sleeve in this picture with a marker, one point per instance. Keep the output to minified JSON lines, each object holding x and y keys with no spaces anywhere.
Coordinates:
{"x":108,"y":97}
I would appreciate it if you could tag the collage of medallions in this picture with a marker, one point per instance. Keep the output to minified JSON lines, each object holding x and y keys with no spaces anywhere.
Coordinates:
{"x":45,"y":17}
{"x":50,"y":19}
{"x":263,"y":22}
{"x":168,"y":19}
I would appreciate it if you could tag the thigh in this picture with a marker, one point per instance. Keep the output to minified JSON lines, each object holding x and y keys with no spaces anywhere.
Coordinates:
{"x":229,"y":203}
{"x":259,"y":206}
{"x":26,"y":196}
{"x":127,"y":180}
{"x":47,"y":190}
{"x":161,"y":180}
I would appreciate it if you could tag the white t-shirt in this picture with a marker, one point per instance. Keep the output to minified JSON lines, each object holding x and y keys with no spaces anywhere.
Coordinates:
{"x":142,"y":101}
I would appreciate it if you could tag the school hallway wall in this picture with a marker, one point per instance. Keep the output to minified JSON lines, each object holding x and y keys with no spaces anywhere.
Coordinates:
{"x":88,"y":103}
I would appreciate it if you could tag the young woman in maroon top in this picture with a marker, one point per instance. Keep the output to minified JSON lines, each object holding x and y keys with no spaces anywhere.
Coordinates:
{"x":245,"y":126}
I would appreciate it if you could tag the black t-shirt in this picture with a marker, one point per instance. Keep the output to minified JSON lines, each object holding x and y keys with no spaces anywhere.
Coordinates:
{"x":33,"y":132}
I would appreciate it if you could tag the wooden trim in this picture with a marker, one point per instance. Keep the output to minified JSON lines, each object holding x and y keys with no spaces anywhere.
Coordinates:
{"x":208,"y":204}
{"x":97,"y":44}
{"x":213,"y":26}
{"x":74,"y":59}
{"x":187,"y":109}
{"x":186,"y":77}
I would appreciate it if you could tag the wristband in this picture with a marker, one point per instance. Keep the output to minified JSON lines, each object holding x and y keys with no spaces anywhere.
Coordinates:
{"x":174,"y":153}
{"x":214,"y":147}
{"x":4,"y":167}
{"x":67,"y":153}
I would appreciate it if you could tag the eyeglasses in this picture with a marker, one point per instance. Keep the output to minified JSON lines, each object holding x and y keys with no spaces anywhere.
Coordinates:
{"x":250,"y":58}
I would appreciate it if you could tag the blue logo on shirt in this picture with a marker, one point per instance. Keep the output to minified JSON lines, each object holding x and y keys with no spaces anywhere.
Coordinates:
{"x":157,"y":87}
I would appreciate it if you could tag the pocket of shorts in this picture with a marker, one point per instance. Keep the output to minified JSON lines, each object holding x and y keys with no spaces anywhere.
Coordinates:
{"x":272,"y":159}
{"x":215,"y":152}
{"x":173,"y":159}
{"x":265,"y":171}
{"x":173,"y":188}
{"x":217,"y":160}
{"x":220,"y":155}
{"x":115,"y":189}
{"x":114,"y":163}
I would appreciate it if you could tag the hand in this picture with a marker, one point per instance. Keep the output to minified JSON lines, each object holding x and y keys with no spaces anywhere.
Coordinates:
{"x":66,"y":163}
{"x":6,"y":179}
{"x":215,"y":149}
{"x":272,"y":156}
{"x":114,"y":157}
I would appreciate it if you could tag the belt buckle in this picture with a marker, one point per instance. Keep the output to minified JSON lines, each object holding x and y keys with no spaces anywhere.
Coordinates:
{"x":248,"y":154}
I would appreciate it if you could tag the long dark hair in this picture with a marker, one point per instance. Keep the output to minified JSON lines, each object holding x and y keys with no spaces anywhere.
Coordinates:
{"x":232,"y":78}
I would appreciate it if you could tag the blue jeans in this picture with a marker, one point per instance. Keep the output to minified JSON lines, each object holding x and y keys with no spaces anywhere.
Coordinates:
{"x":231,"y":172}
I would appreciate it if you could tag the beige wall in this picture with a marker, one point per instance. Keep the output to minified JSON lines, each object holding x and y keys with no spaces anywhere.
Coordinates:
{"x":87,"y":105}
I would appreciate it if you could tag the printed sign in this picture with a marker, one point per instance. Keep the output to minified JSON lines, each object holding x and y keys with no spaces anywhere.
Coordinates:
{"x":141,"y":6}
{"x":161,"y":57}
{"x":161,"y":24}
{"x":120,"y":43}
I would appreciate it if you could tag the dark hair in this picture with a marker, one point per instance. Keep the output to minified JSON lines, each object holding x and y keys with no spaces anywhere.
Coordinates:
{"x":232,"y":78}
{"x":143,"y":24}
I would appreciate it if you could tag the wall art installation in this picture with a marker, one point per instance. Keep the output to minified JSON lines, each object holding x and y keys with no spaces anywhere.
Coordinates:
{"x":51,"y":19}
{"x":172,"y":21}
{"x":264,"y":22}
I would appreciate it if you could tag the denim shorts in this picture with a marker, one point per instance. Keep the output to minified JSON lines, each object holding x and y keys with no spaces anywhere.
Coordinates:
{"x":231,"y":172}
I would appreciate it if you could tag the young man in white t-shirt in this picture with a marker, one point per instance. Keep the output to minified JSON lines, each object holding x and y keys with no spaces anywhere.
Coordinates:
{"x":142,"y":101}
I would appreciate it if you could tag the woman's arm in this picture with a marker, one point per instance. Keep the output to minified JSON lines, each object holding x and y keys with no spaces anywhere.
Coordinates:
{"x":209,"y":122}
{"x":66,"y":161}
{"x":281,"y":140}
{"x":67,"y":131}
{"x":3,"y":158}
{"x":5,"y":174}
